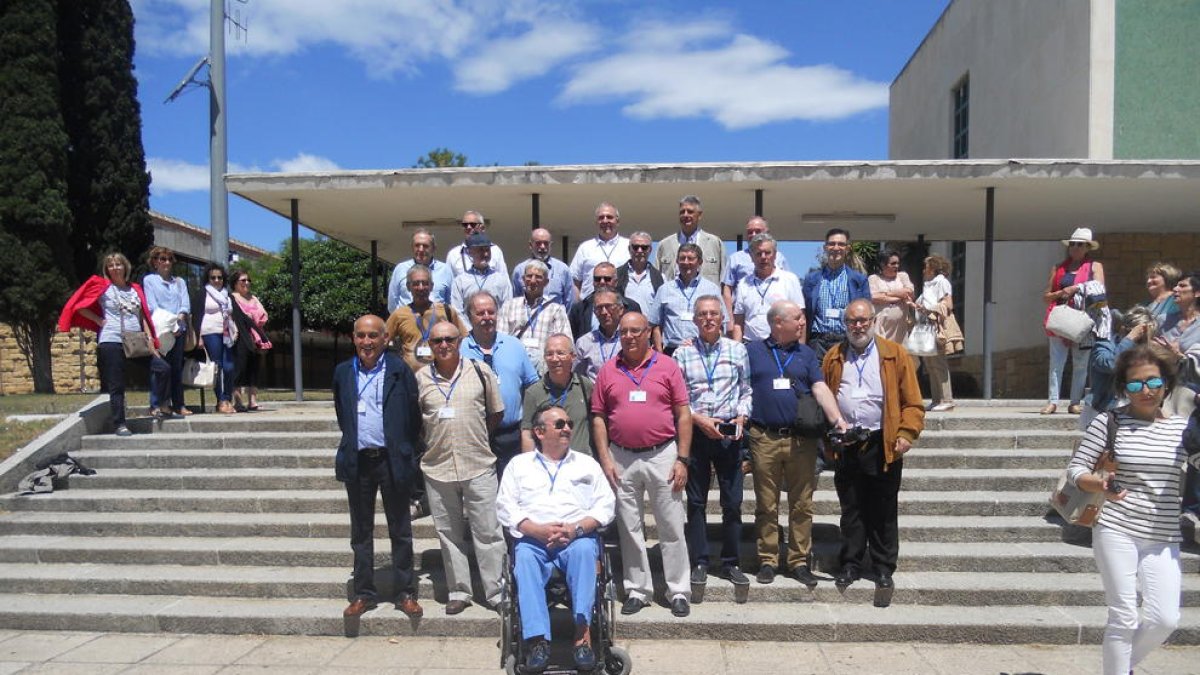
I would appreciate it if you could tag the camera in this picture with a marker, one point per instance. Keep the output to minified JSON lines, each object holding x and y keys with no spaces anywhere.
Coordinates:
{"x":851,"y":436}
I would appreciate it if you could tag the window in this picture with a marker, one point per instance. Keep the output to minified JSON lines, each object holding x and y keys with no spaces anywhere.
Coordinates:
{"x":962,"y":106}
{"x":958,"y":279}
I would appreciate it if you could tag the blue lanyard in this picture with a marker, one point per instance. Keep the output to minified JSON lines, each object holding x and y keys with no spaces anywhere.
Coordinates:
{"x":533,"y":316}
{"x":762,"y":295}
{"x":447,"y":394}
{"x":553,"y":476}
{"x":710,"y":373}
{"x":480,"y":284}
{"x":374,"y":373}
{"x":600,"y":342}
{"x":782,"y":366}
{"x":862,"y":358}
{"x":420,"y":324}
{"x":636,"y":382}
{"x":561,"y":399}
{"x":695,"y":286}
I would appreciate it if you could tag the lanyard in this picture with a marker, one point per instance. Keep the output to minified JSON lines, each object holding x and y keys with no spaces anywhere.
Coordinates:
{"x":600,"y":342}
{"x":479,"y":284}
{"x":421,"y":325}
{"x":636,"y":382}
{"x":561,"y":399}
{"x":533,"y":317}
{"x":695,"y":286}
{"x":600,"y":244}
{"x":862,"y":358}
{"x":782,"y":366}
{"x":710,"y":373}
{"x":447,"y":394}
{"x":557,"y":470}
{"x":766,"y":288}
{"x":374,"y":373}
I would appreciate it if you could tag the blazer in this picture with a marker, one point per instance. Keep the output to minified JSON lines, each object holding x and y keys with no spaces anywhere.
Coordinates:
{"x":656,"y":277}
{"x":401,"y":419}
{"x":580,"y":315}
{"x":856,"y":284}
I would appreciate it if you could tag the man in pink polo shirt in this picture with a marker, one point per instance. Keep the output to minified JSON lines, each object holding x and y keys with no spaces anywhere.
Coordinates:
{"x":642,"y":430}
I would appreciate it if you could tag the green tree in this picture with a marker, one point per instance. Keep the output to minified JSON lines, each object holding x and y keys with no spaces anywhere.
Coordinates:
{"x":108,"y":187}
{"x":335,"y":285}
{"x":440,"y":157}
{"x":35,"y":222}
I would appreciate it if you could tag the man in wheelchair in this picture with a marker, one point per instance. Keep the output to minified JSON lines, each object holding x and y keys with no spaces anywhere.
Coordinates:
{"x":552,"y":501}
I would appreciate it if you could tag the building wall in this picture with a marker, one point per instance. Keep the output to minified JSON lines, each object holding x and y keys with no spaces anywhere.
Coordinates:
{"x":1157,"y":79}
{"x":1021,"y":271}
{"x":65,"y":350}
{"x":1028,"y":62}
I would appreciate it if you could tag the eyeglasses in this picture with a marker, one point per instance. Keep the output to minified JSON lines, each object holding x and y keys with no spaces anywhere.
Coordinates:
{"x":608,"y":278}
{"x":443,"y":340}
{"x":215,"y":277}
{"x":164,"y":257}
{"x":639,"y":247}
{"x":1153,"y":383}
{"x":857,"y":321}
{"x":562,"y":424}
{"x":243,"y":280}
{"x":836,"y":244}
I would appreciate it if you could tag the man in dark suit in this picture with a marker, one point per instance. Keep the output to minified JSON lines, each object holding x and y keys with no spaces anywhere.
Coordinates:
{"x":582,"y":317}
{"x":375,"y":397}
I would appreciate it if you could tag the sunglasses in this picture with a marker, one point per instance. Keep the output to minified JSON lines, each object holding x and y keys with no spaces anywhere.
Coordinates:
{"x":1153,"y":384}
{"x":164,"y":257}
{"x":610,"y":278}
{"x":216,"y":277}
{"x":471,"y":224}
{"x":561,"y":424}
{"x":443,"y":340}
{"x":639,"y":247}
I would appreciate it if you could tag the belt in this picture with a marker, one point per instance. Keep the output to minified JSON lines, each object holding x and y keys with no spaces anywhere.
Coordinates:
{"x":373,"y":453}
{"x":648,"y":448}
{"x":778,"y":431}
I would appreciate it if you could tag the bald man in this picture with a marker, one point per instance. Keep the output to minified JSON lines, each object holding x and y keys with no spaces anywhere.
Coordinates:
{"x":560,"y":288}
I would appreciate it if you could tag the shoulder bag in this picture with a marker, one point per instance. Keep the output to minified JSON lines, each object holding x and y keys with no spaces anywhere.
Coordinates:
{"x":199,"y":374}
{"x":135,"y":343}
{"x":1077,"y":506}
{"x":922,"y":339}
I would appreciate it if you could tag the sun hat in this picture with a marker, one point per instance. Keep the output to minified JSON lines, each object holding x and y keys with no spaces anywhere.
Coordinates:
{"x":1084,"y":235}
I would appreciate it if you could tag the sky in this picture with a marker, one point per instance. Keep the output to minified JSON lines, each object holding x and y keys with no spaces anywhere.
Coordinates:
{"x":375,"y":84}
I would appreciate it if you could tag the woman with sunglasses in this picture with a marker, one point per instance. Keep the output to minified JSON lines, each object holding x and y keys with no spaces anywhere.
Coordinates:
{"x":1065,"y":287}
{"x":1136,"y":537}
{"x":250,"y":317}
{"x":169,"y":293}
{"x":891,"y":293}
{"x":212,"y":317}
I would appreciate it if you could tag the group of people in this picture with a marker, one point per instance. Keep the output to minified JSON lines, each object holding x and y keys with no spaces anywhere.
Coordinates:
{"x":159,"y":321}
{"x":610,"y":387}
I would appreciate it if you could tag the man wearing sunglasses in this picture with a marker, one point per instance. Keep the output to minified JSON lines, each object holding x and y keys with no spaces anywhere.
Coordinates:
{"x":459,"y":258}
{"x":552,"y":500}
{"x":559,"y":287}
{"x":712,"y":257}
{"x":637,"y":279}
{"x":583,"y":316}
{"x":606,"y":247}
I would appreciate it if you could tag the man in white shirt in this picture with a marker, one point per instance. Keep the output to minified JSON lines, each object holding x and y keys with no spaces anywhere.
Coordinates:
{"x":607,"y":246}
{"x":553,"y":500}
{"x":637,"y":279}
{"x":712,"y":260}
{"x":740,"y":263}
{"x":761,"y":289}
{"x":459,"y":257}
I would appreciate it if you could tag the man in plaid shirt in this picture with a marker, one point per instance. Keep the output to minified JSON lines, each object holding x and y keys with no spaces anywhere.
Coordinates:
{"x":717,"y":372}
{"x":533,"y":317}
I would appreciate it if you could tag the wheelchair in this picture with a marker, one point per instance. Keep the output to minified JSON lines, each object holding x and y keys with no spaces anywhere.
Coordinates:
{"x":610,"y":659}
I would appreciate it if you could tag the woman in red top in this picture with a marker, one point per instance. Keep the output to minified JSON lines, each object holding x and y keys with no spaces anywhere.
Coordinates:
{"x":113,"y":306}
{"x":1065,"y":288}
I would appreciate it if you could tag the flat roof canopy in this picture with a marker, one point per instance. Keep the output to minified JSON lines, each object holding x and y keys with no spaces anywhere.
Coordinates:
{"x":876,"y":200}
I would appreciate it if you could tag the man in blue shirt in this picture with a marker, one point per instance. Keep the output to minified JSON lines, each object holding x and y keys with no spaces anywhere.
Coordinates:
{"x":375,"y":398}
{"x":781,"y":371}
{"x":480,"y":276}
{"x":829,"y":289}
{"x":560,"y":288}
{"x":514,"y":372}
{"x":673,"y":309}
{"x":423,"y":247}
{"x":741,"y":265}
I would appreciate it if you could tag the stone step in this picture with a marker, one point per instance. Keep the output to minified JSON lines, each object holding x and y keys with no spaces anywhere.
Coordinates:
{"x":811,"y":621}
{"x":1000,"y":421}
{"x":336,"y":525}
{"x":1011,"y":438}
{"x":916,"y":480}
{"x":333,"y":501}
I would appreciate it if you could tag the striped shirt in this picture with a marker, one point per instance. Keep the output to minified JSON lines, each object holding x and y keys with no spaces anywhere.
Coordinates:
{"x":1149,"y":458}
{"x":728,"y":394}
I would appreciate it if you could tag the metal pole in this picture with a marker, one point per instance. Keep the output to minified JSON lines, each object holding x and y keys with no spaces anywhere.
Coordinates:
{"x":565,"y":245}
{"x":740,"y":237}
{"x":758,"y":202}
{"x":373,"y":305}
{"x":297,"y":373}
{"x":989,"y":238}
{"x":537,"y":211}
{"x":218,"y":160}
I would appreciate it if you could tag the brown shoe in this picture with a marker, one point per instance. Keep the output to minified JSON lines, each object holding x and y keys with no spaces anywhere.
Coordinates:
{"x":409,"y":605}
{"x":359,"y":607}
{"x":456,"y":607}
{"x":1049,"y":409}
{"x":1075,"y":408}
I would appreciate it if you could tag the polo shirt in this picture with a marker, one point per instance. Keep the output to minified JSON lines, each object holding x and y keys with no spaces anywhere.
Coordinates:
{"x":398,"y":294}
{"x":640,"y":424}
{"x":457,"y":448}
{"x":574,"y":402}
{"x":777,"y":407}
{"x":741,"y":265}
{"x":674,"y":304}
{"x":558,"y":288}
{"x":514,"y":371}
{"x":754,"y":297}
{"x":593,"y":252}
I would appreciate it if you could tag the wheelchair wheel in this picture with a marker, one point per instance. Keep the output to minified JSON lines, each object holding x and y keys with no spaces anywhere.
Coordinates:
{"x":510,"y":664}
{"x":617,"y":662}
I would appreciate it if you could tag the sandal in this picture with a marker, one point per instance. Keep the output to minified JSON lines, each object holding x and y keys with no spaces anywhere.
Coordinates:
{"x":184,"y":411}
{"x":1049,"y":409}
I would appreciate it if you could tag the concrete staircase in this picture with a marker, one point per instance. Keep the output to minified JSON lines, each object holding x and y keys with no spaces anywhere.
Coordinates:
{"x":221,"y":524}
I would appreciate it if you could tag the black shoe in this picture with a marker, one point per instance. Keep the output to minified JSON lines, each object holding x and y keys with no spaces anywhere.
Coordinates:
{"x":700,"y":574}
{"x":735,"y":575}
{"x":585,"y":658}
{"x":538,"y":657}
{"x":766,"y":574}
{"x":680,"y":607}
{"x":633,"y":605}
{"x":804,"y":576}
{"x":847,"y":576}
{"x":884,"y":587}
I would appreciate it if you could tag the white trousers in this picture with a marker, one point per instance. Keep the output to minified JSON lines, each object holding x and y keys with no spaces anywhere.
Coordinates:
{"x":1124,"y":562}
{"x":647,"y":473}
{"x":455,"y":505}
{"x":1058,"y":361}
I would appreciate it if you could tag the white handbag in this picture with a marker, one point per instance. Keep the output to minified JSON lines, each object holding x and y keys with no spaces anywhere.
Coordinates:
{"x":1069,"y":323}
{"x":922,"y":340}
{"x":200,"y":374}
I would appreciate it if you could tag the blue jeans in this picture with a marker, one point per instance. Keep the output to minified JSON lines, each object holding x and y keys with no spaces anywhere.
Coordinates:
{"x":1059,"y":349}
{"x":707,"y":455}
{"x":174,"y":380}
{"x":532,"y":566}
{"x":217,"y":351}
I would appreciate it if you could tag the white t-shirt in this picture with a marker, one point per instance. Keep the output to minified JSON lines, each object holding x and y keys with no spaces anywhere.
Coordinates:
{"x":755,"y":296}
{"x":934,"y":290}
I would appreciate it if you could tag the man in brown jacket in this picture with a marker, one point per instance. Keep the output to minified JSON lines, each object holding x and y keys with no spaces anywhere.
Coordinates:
{"x":877,"y":393}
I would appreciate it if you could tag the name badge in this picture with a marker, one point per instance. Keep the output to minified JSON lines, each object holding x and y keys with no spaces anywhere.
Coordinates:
{"x":362,"y":407}
{"x":782,"y":383}
{"x":531,"y":342}
{"x":446,"y":413}
{"x":687,"y":316}
{"x":833,"y":313}
{"x":638,"y":396}
{"x":424,"y":352}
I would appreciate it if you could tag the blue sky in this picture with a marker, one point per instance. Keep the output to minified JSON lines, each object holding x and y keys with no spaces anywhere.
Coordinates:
{"x":374,"y":84}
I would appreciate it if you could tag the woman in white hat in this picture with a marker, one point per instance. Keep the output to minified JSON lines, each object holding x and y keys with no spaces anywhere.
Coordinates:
{"x":1065,"y":288}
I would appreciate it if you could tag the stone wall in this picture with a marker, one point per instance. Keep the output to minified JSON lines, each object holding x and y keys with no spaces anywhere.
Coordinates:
{"x":1126,"y":257}
{"x":65,"y":351}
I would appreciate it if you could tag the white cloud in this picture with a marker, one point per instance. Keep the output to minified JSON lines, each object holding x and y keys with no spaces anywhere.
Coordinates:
{"x":177,"y":175}
{"x":502,"y":62}
{"x":741,"y":81}
{"x":306,"y":163}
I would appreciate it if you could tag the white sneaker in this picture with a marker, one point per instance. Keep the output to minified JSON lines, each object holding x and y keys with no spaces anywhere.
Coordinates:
{"x":942,"y":407}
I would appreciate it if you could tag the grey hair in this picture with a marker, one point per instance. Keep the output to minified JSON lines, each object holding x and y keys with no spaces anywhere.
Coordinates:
{"x":715,"y":298}
{"x":559,"y":335}
{"x":537,"y":265}
{"x":418,"y":267}
{"x":610,"y":205}
{"x":779,"y":308}
{"x":860,"y":301}
{"x":693,"y":200}
{"x":478,"y":294}
{"x":432,"y":238}
{"x":764,"y":238}
{"x":641,"y":234}
{"x":751,"y":219}
{"x":483,"y":223}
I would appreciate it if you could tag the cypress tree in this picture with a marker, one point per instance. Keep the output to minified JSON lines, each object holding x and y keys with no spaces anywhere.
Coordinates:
{"x":35,"y":222}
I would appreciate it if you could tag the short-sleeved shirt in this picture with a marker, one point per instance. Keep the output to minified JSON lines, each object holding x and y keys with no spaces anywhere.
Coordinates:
{"x":574,"y":400}
{"x":777,"y":407}
{"x":457,"y":448}
{"x":754,"y":297}
{"x":122,"y":313}
{"x":727,"y":395}
{"x":398,"y":294}
{"x":741,"y":265}
{"x":712,"y":249}
{"x":459,"y":260}
{"x":410,"y":332}
{"x":558,"y":288}
{"x":934,"y":290}
{"x":514,"y":371}
{"x":593,"y":252}
{"x":645,"y":423}
{"x":472,"y":281}
{"x":532,"y":326}
{"x":594,"y":350}
{"x":674,"y":304}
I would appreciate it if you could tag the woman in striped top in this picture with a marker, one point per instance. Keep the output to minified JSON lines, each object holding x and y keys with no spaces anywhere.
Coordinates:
{"x":1136,"y":539}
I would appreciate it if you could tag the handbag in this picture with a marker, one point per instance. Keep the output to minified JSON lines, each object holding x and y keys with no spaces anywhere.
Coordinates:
{"x":200,"y":374}
{"x":810,"y":417}
{"x":1069,"y":323}
{"x":922,"y":339}
{"x":1077,"y":506}
{"x":137,"y":345}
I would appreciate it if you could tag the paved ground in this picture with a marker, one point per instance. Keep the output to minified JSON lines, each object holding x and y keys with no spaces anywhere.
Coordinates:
{"x":102,"y":653}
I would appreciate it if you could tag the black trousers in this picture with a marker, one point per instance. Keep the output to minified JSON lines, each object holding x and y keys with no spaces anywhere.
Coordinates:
{"x":709,"y":457}
{"x":375,"y":476}
{"x":506,"y":444}
{"x":868,"y":497}
{"x":112,"y":377}
{"x":823,"y":342}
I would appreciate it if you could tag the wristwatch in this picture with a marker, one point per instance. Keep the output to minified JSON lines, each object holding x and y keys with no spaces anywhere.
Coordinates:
{"x":686,"y":461}
{"x":579,"y":533}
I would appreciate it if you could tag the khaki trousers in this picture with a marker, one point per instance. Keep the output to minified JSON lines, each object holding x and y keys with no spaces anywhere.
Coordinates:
{"x":783,"y":462}
{"x":645,"y":473}
{"x":454,"y":507}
